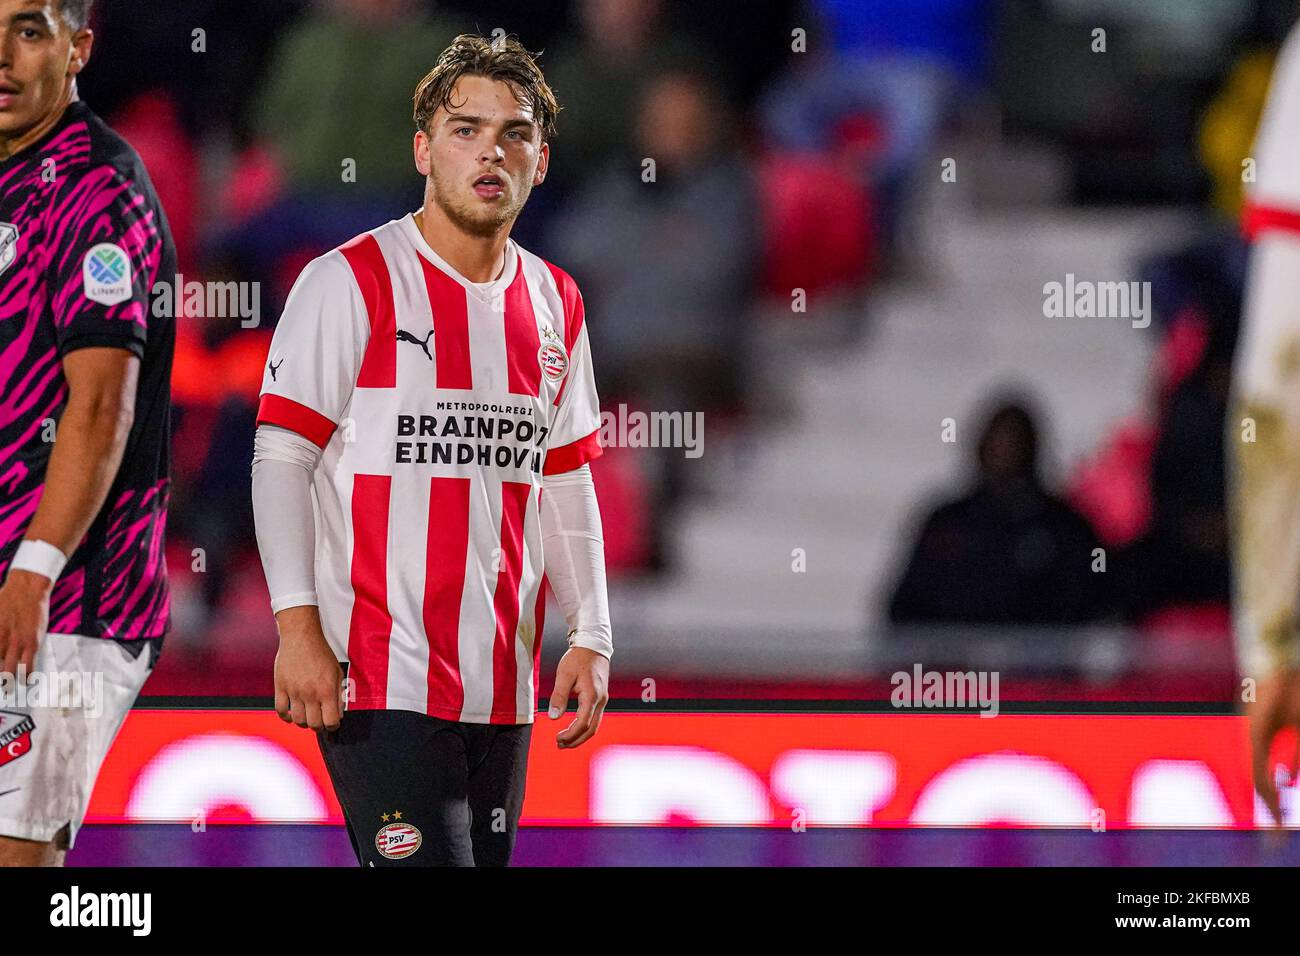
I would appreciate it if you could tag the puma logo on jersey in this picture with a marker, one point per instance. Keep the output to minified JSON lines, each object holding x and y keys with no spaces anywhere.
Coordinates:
{"x":274,"y":368}
{"x":405,"y":336}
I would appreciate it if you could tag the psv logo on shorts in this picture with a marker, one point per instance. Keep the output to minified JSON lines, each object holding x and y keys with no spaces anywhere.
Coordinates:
{"x":15,"y":735}
{"x":398,"y":840}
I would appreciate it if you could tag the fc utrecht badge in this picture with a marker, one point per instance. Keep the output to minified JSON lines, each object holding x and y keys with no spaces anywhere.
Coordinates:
{"x":398,"y":840}
{"x":8,"y":245}
{"x":552,"y":357}
{"x":107,"y":274}
{"x":15,"y":735}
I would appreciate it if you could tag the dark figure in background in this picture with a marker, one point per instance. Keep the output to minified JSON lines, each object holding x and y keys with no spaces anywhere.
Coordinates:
{"x":1006,"y":552}
{"x":1183,"y":559}
{"x":669,"y":269}
{"x":343,"y":169}
{"x":603,"y":69}
{"x":671,"y":262}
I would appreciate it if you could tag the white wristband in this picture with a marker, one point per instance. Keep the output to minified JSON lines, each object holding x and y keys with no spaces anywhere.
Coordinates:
{"x":39,"y":557}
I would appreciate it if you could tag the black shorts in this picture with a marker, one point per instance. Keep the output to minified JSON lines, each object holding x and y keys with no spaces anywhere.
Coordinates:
{"x":424,"y":791}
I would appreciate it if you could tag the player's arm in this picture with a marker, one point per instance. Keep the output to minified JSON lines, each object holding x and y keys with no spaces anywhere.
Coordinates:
{"x":307,"y":675}
{"x":573,"y":540}
{"x":573,"y":543}
{"x":1265,"y":502}
{"x":1265,"y":467}
{"x":98,"y":280}
{"x":311,"y":370}
{"x":90,"y":438}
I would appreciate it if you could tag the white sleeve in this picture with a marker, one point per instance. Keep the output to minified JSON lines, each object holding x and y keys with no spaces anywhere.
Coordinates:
{"x":1264,"y":385}
{"x":574,"y":549}
{"x":316,"y":351}
{"x":283,"y":463}
{"x":1265,"y":471}
{"x":1270,"y":323}
{"x":1273,"y":194}
{"x":574,"y":438}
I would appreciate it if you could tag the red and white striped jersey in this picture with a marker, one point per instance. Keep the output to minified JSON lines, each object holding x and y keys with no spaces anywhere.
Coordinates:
{"x":439,"y":404}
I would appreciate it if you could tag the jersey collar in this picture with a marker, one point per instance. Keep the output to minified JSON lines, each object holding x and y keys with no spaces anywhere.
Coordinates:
{"x":485,"y":292}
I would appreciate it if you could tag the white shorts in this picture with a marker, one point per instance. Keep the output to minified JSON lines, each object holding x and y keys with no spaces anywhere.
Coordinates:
{"x":55,"y":732}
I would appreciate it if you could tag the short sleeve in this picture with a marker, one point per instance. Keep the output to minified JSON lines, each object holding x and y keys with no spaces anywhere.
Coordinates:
{"x":108,"y":244}
{"x":574,"y":438}
{"x":316,"y":352}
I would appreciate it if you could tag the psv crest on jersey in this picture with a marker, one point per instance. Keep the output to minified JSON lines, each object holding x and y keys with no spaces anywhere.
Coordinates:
{"x":554,"y":360}
{"x":8,"y":245}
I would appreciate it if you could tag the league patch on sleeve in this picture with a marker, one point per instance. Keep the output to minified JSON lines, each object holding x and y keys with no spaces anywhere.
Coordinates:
{"x":106,"y":274}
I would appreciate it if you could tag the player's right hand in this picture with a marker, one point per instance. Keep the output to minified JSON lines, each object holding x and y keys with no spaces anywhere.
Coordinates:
{"x":1276,"y":706}
{"x":308,"y":678}
{"x":24,"y":616}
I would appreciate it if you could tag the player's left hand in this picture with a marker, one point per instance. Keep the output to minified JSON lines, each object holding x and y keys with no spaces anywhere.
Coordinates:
{"x":1276,"y":707}
{"x":587,"y":673}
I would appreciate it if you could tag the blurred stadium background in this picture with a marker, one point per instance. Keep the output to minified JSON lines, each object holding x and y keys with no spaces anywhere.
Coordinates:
{"x":911,"y":463}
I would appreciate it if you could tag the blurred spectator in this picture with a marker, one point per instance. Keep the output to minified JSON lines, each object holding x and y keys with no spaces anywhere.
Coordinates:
{"x":1196,"y":292}
{"x":667,"y":266}
{"x":1183,"y":560}
{"x":1175,"y":558}
{"x":340,"y":88}
{"x":818,"y":229}
{"x":599,"y":77}
{"x":884,"y":80}
{"x":339,"y":91}
{"x":1006,"y":552}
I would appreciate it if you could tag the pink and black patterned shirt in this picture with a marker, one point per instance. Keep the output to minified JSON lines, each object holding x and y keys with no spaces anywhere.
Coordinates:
{"x":83,"y":241}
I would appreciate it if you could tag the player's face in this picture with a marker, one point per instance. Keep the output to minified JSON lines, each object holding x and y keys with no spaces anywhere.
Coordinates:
{"x":39,"y":56}
{"x":483,"y":155}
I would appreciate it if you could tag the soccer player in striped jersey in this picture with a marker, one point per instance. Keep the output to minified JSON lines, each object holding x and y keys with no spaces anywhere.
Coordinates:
{"x":427,"y":419}
{"x":85,"y":377}
{"x":1264,"y":433}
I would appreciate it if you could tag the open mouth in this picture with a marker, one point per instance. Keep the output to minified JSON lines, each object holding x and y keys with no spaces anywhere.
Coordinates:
{"x":489,"y":186}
